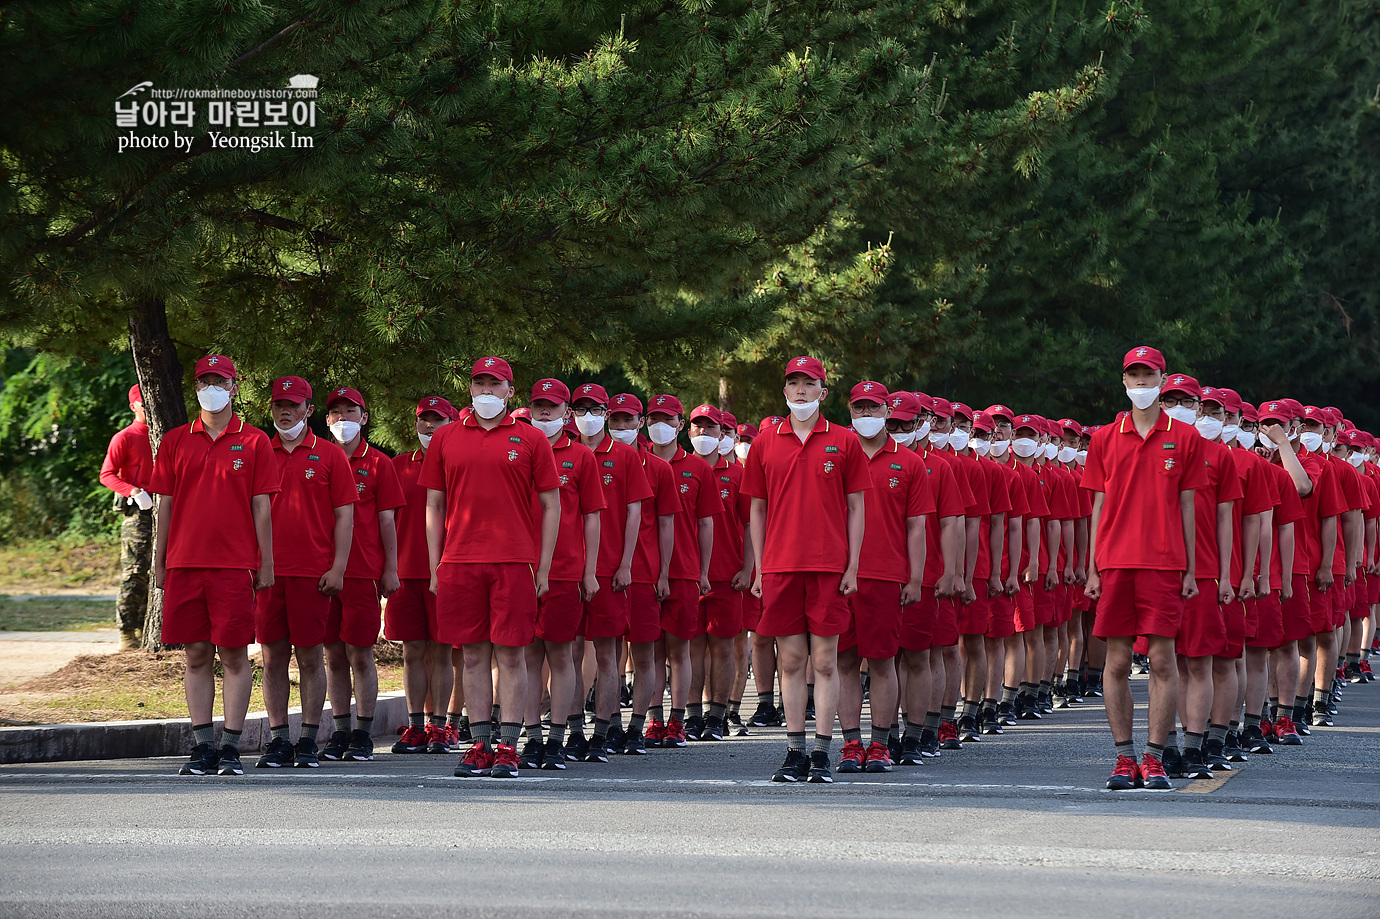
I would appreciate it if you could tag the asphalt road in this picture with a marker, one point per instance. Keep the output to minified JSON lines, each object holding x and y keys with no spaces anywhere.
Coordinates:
{"x":1014,"y":825}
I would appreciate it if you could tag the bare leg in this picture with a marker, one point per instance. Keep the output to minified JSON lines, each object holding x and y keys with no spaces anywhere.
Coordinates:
{"x":199,"y":683}
{"x":239,"y":683}
{"x":1164,"y":687}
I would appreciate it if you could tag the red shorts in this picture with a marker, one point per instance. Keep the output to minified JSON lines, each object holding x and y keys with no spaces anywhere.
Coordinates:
{"x":1139,"y":601}
{"x":354,"y":615}
{"x":680,"y":614}
{"x":752,"y":611}
{"x":974,"y":618}
{"x":720,"y":611}
{"x":1002,"y":619}
{"x":644,"y":614}
{"x":293,"y":608}
{"x":560,"y":612}
{"x":1234,"y":618}
{"x":1374,"y":596}
{"x":800,"y":602}
{"x":1360,"y":608}
{"x":875,"y":620}
{"x":1295,"y":611}
{"x":1081,"y":603}
{"x":1320,"y":603}
{"x":606,"y":616}
{"x":944,"y":634}
{"x":486,"y":601}
{"x":410,"y":613}
{"x":1024,"y":603}
{"x":917,"y":621}
{"x":1269,"y":622}
{"x":1252,"y":610}
{"x":208,"y":604}
{"x":1046,"y":609}
{"x":1202,"y":628}
{"x":1341,"y":606}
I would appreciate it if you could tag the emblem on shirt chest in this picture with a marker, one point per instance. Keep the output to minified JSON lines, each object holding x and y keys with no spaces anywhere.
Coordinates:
{"x":237,"y":463}
{"x":893,"y":482}
{"x":608,"y":478}
{"x":359,"y":487}
{"x":565,"y":479}
{"x":310,"y":473}
{"x":723,"y":493}
{"x":684,"y":487}
{"x":1169,"y":463}
{"x":828,"y":466}
{"x":512,"y":456}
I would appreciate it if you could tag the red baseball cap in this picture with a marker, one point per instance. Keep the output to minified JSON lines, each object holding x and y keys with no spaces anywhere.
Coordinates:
{"x":941,"y":407}
{"x":905,"y":406}
{"x":1313,"y":413}
{"x":747,"y":430}
{"x":1294,"y":406}
{"x":807,"y":365}
{"x":1278,"y":410}
{"x":961,"y":409}
{"x":1068,"y":424}
{"x":1248,"y":412}
{"x":1229,"y":399}
{"x":982,"y":421}
{"x":869,"y":391}
{"x":593,"y":392}
{"x":523,"y":412}
{"x":626,"y":403}
{"x":134,"y":394}
{"x":494,"y":367}
{"x":1335,"y":411}
{"x":345,"y":394}
{"x":218,"y":364}
{"x":706,"y":411}
{"x":728,"y":420}
{"x":292,"y":389}
{"x":1358,"y":439}
{"x":770,"y":421}
{"x":1183,"y":383}
{"x":1000,"y":411}
{"x":436,"y":404}
{"x":666,"y":404}
{"x":1034,"y":422}
{"x":550,"y":390}
{"x":1334,"y":417}
{"x":926,"y":402}
{"x":1143,"y":355}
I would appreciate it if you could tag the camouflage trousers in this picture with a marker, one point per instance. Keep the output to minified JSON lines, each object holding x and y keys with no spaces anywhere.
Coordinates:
{"x":136,"y":556}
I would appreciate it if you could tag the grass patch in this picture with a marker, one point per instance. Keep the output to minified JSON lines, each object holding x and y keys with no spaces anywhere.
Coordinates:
{"x":40,"y":565}
{"x":55,"y":614}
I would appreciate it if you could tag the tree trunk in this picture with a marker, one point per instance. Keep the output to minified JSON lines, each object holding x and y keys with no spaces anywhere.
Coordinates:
{"x":160,"y":384}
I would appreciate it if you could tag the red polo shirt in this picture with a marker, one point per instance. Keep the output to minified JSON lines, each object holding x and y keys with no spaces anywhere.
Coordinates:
{"x":1140,"y":478}
{"x":992,"y":489}
{"x":212,"y":483}
{"x":489,"y":478}
{"x":1354,"y":494}
{"x":665,"y":500}
{"x":379,"y":490}
{"x":694,"y":482}
{"x":806,"y":487}
{"x":624,"y":482}
{"x":581,"y":493}
{"x":1221,"y":484}
{"x":1020,"y":507}
{"x":414,"y":561}
{"x":315,"y":479}
{"x":1326,"y":500}
{"x":128,"y":460}
{"x":727,"y":559}
{"x":1288,"y":509}
{"x":947,"y":494}
{"x":1257,"y":496}
{"x":1036,"y":505}
{"x":900,"y":490}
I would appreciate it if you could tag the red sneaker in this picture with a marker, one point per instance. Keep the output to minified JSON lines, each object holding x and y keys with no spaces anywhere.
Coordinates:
{"x":413,"y":740}
{"x":452,"y":737}
{"x":852,"y":757}
{"x":1152,"y":774}
{"x":1288,"y":732}
{"x":948,"y":736}
{"x":506,"y":762}
{"x":436,"y":741}
{"x":878,"y":758}
{"x":476,"y":761}
{"x":654,"y":733}
{"x":1268,"y":729}
{"x":1364,"y":667}
{"x":1125,"y":776}
{"x":675,"y":735}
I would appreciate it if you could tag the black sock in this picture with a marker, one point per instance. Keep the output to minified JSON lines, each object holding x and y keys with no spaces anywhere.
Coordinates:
{"x":278,"y":732}
{"x":822,"y":744}
{"x":601,"y":732}
{"x":453,"y":719}
{"x":946,"y":712}
{"x":231,"y":739}
{"x":342,"y":723}
{"x":435,"y":720}
{"x":365,"y":725}
{"x":204,"y":733}
{"x":768,"y":698}
{"x":416,"y":720}
{"x":309,"y":731}
{"x":1300,"y":706}
{"x":1193,"y":741}
{"x":635,"y":723}
{"x":695,"y":710}
{"x":717,"y":710}
{"x":795,"y":740}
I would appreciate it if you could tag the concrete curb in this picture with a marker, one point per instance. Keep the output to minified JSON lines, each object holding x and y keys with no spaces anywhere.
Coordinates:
{"x":135,"y":739}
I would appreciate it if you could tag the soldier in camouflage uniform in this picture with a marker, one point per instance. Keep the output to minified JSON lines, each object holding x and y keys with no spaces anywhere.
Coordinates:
{"x":126,"y":470}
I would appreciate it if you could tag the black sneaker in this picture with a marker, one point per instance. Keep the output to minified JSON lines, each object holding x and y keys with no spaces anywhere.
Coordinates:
{"x":929,"y":742}
{"x":1006,"y":714}
{"x":1060,"y":697}
{"x":1193,"y":765}
{"x":1232,"y":748}
{"x":1044,"y":703}
{"x":1302,"y":726}
{"x":1094,"y":690}
{"x":810,"y":708}
{"x":576,"y":746}
{"x":335,"y":748}
{"x":306,"y":754}
{"x":735,"y":724}
{"x":1321,"y":718}
{"x":203,"y":762}
{"x":553,"y":756}
{"x":819,"y":768}
{"x":765,"y":717}
{"x":990,"y":723}
{"x":1215,"y":756}
{"x":361,"y":749}
{"x":1173,"y":762}
{"x":462,"y":731}
{"x":694,"y":728}
{"x":794,"y":769}
{"x":280,"y":753}
{"x":968,"y":730}
{"x":1025,"y":709}
{"x":614,"y":742}
{"x":230,"y":761}
{"x":531,"y":756}
{"x":589,"y":702}
{"x":598,"y":750}
{"x":893,"y":747}
{"x":713,"y":729}
{"x":1253,"y":741}
{"x":1073,"y":692}
{"x":910,"y":751}
{"x":633,"y":744}
{"x":625,"y":695}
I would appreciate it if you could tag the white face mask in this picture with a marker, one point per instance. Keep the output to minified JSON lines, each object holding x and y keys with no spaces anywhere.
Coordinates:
{"x":293,"y":432}
{"x":923,"y":431}
{"x":487,"y":406}
{"x":1067,"y":454}
{"x":905,"y":439}
{"x":624,"y":437}
{"x":741,"y":450}
{"x":1210,"y":428}
{"x":1245,"y":438}
{"x":425,"y":440}
{"x":345,"y":431}
{"x":999,"y":448}
{"x":959,"y":440}
{"x":213,"y":398}
{"x":549,"y":428}
{"x":1143,"y":398}
{"x":868,"y":426}
{"x":589,"y":425}
{"x":1312,"y":440}
{"x":939,"y":441}
{"x":1269,"y":444}
{"x":1356,"y":458}
{"x":1229,"y":432}
{"x":803,"y":410}
{"x":705,"y":445}
{"x":726,"y":445}
{"x":980,"y":447}
{"x":1051,"y":451}
{"x":1082,"y":457}
{"x":661,"y":433}
{"x":1024,"y":447}
{"x":1182,"y":414}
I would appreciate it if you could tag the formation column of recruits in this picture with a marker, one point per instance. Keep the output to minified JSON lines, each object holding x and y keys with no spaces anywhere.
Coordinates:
{"x":963,"y":570}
